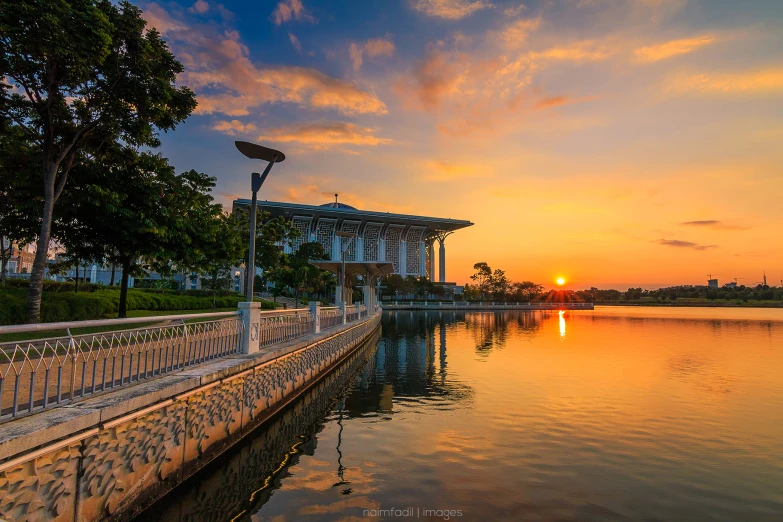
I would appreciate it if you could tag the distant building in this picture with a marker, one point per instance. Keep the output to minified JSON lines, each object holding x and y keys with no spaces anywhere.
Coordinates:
{"x":733,"y":284}
{"x":712,"y":283}
{"x":21,"y":258}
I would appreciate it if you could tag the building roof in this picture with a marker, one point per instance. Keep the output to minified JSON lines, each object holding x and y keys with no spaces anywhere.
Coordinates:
{"x":342,"y":211}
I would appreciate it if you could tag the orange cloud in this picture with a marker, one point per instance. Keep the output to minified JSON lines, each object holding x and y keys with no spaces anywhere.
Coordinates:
{"x":451,"y":9}
{"x":325,"y":134}
{"x":373,"y":47}
{"x":217,"y":67}
{"x":445,"y":171}
{"x":584,"y":51}
{"x":765,"y":80}
{"x":654,"y":53}
{"x":515,"y":34}
{"x":556,"y":101}
{"x":288,"y":10}
{"x":234,"y":127}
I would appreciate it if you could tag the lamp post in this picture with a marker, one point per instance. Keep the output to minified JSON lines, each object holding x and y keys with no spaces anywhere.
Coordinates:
{"x":253,"y":151}
{"x":343,"y":250}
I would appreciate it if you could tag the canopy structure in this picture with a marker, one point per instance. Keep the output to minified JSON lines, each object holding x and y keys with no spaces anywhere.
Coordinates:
{"x":368,"y":271}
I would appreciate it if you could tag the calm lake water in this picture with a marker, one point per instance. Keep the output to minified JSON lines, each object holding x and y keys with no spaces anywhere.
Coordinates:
{"x":616,"y":414}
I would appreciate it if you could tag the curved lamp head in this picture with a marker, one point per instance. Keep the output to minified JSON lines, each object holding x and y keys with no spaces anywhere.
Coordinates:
{"x":253,"y":151}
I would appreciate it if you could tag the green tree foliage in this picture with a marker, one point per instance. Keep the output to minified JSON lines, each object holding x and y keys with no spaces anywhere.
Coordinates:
{"x":132,"y":210}
{"x":85,"y":73}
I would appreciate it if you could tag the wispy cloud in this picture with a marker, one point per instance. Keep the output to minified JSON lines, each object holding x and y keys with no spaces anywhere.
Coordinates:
{"x":447,"y":171}
{"x":583,"y":51}
{"x":288,"y":10}
{"x":683,"y":244}
{"x":515,"y":34}
{"x":325,"y":134}
{"x":557,"y":101}
{"x":295,"y":42}
{"x":513,"y":10}
{"x":662,"y":51}
{"x":451,"y":9}
{"x":764,"y":80}
{"x":234,"y":127}
{"x":713,"y":223}
{"x":200,"y":7}
{"x":373,"y":47}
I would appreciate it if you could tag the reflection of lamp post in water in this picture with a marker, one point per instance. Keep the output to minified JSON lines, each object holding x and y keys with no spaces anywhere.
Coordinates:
{"x":340,"y":467}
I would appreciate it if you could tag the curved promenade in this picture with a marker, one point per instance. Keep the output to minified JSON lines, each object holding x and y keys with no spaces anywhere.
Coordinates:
{"x":110,"y":455}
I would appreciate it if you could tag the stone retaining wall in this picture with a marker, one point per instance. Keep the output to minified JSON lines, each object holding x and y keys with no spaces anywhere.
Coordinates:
{"x":110,"y":456}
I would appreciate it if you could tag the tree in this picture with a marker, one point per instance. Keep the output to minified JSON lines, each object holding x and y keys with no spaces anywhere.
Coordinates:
{"x":85,"y":73}
{"x":483,"y":277}
{"x":222,"y":247}
{"x":17,"y":220}
{"x":302,"y":273}
{"x":135,"y":212}
{"x":499,"y":284}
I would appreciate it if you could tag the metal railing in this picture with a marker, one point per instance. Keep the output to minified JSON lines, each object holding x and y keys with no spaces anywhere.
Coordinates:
{"x":331,"y":316}
{"x":279,"y":328}
{"x":38,"y":374}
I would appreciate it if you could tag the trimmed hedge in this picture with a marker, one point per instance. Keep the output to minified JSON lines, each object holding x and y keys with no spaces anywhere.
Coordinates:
{"x":98,"y":304}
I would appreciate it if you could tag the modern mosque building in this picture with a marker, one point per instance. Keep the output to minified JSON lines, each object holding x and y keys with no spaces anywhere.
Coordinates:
{"x":406,"y":241}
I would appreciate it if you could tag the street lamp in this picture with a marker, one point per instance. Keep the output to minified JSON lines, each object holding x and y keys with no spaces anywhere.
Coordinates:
{"x":343,"y":250}
{"x":253,"y":151}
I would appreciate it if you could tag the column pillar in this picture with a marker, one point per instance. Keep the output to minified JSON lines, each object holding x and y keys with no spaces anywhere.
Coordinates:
{"x":336,"y":248}
{"x":250,"y":315}
{"x":382,"y":249}
{"x":403,"y":258}
{"x":422,"y":259}
{"x":315,"y":309}
{"x":360,"y":249}
{"x":431,"y":260}
{"x":442,"y":260}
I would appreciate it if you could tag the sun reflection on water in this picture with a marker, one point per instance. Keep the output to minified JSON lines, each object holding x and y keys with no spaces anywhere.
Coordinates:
{"x":561,"y":315}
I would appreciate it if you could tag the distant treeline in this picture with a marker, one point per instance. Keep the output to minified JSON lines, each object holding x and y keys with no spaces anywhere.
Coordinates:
{"x":673,"y":293}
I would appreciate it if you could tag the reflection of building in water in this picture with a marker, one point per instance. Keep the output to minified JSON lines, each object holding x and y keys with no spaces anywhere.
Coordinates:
{"x":410,"y":364}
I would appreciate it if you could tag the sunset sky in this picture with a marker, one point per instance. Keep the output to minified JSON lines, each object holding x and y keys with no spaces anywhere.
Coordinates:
{"x":611,"y":142}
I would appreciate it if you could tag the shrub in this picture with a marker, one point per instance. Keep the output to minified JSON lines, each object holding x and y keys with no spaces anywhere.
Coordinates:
{"x":102,"y":302}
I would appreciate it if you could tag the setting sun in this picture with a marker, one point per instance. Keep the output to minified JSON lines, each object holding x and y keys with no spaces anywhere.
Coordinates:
{"x":560,"y":281}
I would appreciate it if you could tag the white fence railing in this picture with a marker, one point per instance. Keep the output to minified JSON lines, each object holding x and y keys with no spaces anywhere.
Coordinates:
{"x":39,"y":374}
{"x":42,"y":373}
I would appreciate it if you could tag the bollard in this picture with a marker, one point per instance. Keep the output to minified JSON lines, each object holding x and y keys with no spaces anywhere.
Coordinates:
{"x":315,"y":309}
{"x":251,"y":322}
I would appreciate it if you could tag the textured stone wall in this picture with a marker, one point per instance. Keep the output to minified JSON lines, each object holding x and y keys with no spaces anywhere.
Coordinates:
{"x":121,"y":466}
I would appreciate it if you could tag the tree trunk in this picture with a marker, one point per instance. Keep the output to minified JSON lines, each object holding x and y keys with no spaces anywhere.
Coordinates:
{"x":3,"y":261}
{"x":126,"y":268}
{"x":76,"y":279}
{"x":111,"y":281}
{"x":42,"y":249}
